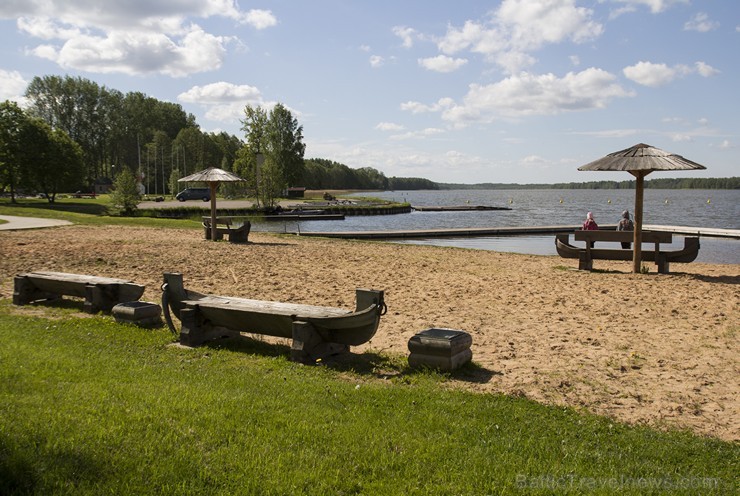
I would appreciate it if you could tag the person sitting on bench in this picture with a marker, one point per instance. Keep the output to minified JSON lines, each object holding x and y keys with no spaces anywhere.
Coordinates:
{"x":626,"y":224}
{"x":590,"y":225}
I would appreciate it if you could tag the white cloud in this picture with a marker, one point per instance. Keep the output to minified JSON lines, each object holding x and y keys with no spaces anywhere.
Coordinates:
{"x":220,"y":92}
{"x":222,"y":101}
{"x":140,"y":53}
{"x":46,"y":29}
{"x":260,"y":19}
{"x":575,"y":60}
{"x":419,"y":108}
{"x":679,"y":138}
{"x":376,"y":61}
{"x":655,"y":75}
{"x":705,"y":70}
{"x":656,"y":6}
{"x":389,"y":126}
{"x":519,"y":27}
{"x":650,"y":74}
{"x":406,"y":34}
{"x":530,"y":94}
{"x":430,"y":131}
{"x":12,"y":86}
{"x":726,"y":145}
{"x":442,"y":63}
{"x":701,"y":23}
{"x":109,"y":36}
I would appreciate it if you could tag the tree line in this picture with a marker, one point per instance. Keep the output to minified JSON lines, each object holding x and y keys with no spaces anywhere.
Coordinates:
{"x":109,"y":133}
{"x":661,"y":183}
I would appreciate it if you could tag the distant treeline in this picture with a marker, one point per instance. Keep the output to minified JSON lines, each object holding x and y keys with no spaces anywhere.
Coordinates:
{"x":671,"y":183}
{"x":321,"y":173}
{"x":326,"y":174}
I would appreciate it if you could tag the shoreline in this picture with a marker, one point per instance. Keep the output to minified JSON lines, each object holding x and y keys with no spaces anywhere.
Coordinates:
{"x":647,"y":349}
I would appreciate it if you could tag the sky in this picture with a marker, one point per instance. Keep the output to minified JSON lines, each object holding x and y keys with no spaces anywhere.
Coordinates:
{"x":512,"y":91}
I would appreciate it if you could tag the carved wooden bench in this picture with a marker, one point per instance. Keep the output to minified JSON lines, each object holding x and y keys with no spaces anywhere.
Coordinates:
{"x":316,"y":331}
{"x":224,"y":226}
{"x":662,"y":258}
{"x":100,"y":293}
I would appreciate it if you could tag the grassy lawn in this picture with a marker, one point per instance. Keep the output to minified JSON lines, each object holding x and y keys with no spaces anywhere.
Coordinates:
{"x":84,"y":211}
{"x":88,"y":406}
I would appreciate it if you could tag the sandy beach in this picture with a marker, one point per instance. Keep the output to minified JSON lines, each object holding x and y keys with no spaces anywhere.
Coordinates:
{"x":645,"y":349}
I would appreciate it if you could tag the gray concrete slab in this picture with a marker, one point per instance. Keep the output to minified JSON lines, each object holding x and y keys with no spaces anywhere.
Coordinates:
{"x":14,"y":222}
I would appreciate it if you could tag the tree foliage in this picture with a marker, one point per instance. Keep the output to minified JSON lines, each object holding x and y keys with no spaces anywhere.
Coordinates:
{"x":12,"y":119}
{"x":125,"y":197}
{"x":133,"y":130}
{"x":51,"y":161}
{"x":272,"y":158}
{"x":35,"y":157}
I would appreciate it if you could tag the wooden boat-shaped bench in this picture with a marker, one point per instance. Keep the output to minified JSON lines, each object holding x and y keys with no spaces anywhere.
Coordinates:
{"x":316,"y":331}
{"x":662,"y":258}
{"x":100,"y":293}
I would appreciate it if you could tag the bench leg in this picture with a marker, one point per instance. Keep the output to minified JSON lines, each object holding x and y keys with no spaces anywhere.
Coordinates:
{"x":24,"y":292}
{"x":99,"y":299}
{"x":585,"y":262}
{"x":238,"y":237}
{"x":662,"y":263}
{"x":191,"y":333}
{"x":308,"y":345}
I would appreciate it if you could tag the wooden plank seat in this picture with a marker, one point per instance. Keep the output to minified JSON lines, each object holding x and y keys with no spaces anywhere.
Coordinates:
{"x":662,"y":258}
{"x":225,"y":226}
{"x":100,"y":293}
{"x":316,"y":331}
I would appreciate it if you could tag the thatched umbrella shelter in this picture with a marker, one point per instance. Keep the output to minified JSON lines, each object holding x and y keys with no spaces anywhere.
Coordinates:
{"x":213,"y":176}
{"x":640,"y":160}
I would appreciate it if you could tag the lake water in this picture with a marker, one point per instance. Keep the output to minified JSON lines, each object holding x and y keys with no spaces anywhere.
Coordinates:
{"x":547,"y":207}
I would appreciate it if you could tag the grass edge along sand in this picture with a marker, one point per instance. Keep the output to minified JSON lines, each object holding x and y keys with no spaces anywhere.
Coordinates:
{"x":90,"y":406}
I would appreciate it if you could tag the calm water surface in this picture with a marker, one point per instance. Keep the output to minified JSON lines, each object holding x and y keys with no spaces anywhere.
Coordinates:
{"x":694,"y":208}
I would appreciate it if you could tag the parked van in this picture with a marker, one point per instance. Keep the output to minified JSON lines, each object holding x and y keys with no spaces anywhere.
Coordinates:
{"x":194,"y":194}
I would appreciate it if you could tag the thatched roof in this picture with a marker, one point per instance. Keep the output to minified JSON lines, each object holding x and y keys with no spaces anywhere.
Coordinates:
{"x":641,"y":157}
{"x":211,"y":175}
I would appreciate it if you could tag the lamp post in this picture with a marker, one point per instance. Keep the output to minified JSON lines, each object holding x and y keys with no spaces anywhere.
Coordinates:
{"x":260,"y":160}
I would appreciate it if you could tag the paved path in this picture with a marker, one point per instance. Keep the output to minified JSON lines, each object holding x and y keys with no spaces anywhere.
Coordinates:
{"x":14,"y":222}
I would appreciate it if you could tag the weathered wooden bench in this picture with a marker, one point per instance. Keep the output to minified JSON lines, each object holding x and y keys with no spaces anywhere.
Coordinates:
{"x":225,"y":226}
{"x":316,"y":331}
{"x":662,"y":258}
{"x":100,"y":293}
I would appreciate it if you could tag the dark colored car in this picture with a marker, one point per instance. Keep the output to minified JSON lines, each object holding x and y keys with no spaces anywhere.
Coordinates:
{"x":194,"y":194}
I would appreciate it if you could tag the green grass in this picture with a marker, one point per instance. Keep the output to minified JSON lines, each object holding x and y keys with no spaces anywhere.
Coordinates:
{"x":88,"y":406}
{"x":86,"y":212}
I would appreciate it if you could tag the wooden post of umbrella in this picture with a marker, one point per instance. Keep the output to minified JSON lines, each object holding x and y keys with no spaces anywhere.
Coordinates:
{"x":637,"y":245}
{"x":214,"y":230}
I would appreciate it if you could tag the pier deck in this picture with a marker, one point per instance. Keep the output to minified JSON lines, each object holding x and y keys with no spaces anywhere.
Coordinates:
{"x":508,"y":231}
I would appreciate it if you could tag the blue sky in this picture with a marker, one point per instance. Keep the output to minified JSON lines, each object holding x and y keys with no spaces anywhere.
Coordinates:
{"x":470,"y":91}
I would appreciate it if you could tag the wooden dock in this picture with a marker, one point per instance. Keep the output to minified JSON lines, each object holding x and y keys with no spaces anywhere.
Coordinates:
{"x":459,"y":208}
{"x":441,"y":233}
{"x":696,"y":231}
{"x":304,"y":217}
{"x":509,"y":231}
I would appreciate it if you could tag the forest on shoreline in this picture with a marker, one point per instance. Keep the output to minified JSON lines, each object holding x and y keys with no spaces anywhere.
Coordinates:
{"x":661,"y":183}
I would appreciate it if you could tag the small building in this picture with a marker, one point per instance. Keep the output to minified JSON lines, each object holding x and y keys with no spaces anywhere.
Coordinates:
{"x":296,"y":192}
{"x":102,"y":186}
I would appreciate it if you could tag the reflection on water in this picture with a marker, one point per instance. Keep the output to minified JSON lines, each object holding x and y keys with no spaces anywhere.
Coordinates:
{"x":699,"y":208}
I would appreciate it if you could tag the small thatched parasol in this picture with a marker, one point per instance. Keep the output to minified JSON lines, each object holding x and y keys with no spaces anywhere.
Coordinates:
{"x":213,"y":176}
{"x":640,"y":160}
